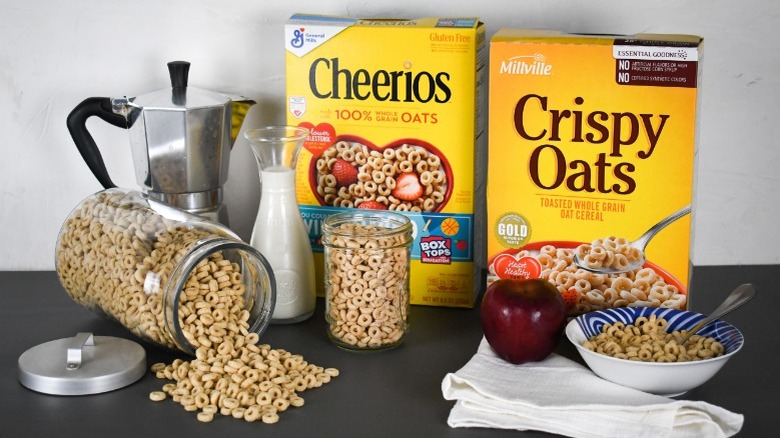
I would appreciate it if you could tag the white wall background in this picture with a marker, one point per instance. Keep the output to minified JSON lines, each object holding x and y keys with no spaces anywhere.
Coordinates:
{"x":53,"y":54}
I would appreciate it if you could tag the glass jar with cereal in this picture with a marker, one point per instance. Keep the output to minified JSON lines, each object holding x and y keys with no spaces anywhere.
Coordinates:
{"x":172,"y":278}
{"x":367,"y":256}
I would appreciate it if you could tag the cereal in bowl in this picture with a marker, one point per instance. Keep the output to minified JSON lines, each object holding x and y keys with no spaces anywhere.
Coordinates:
{"x":646,"y":340}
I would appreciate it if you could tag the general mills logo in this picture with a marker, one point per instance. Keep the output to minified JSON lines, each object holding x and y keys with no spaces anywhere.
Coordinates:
{"x":297,"y":40}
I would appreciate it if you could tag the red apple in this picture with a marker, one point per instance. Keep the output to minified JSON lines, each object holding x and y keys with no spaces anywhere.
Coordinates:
{"x":522,"y":318}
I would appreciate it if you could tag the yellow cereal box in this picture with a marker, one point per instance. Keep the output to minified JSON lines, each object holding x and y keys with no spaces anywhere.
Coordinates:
{"x":394,"y":112}
{"x":592,"y":142}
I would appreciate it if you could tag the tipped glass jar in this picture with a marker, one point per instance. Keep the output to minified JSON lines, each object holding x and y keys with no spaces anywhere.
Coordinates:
{"x":172,"y":278}
{"x":367,"y":256}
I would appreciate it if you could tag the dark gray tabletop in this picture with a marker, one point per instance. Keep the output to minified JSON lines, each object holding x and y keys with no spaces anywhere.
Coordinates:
{"x":392,"y":393}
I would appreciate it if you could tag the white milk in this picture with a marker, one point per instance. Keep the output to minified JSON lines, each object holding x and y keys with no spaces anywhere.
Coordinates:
{"x":281,"y":236}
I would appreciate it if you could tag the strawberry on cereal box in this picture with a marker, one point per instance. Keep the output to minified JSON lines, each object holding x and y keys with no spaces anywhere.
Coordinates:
{"x":407,"y":187}
{"x":346,"y":174}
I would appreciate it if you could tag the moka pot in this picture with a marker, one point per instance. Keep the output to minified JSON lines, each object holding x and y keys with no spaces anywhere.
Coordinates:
{"x":181,"y":138}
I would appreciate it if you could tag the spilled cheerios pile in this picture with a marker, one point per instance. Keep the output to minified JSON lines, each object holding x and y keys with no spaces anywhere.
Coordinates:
{"x":232,"y":374}
{"x":241,"y":379}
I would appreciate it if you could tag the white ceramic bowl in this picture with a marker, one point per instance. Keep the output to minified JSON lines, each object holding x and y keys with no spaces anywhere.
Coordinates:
{"x":669,"y":379}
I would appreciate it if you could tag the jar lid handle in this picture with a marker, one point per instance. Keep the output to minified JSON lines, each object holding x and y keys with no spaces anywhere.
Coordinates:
{"x":77,"y":344}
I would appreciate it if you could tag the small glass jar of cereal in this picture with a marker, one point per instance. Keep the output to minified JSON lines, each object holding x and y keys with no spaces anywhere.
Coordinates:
{"x":367,"y":257}
{"x":172,"y":278}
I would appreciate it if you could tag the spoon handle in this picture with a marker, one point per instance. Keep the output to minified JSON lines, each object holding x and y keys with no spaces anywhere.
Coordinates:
{"x":739,"y":296}
{"x":641,"y":241}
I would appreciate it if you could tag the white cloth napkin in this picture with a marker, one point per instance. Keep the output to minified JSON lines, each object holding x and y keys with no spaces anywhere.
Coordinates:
{"x":560,"y":396}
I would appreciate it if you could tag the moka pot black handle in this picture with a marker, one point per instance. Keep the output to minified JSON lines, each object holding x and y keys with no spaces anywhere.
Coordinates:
{"x":77,"y":126}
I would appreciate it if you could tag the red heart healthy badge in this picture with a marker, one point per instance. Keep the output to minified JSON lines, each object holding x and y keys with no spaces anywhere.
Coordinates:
{"x":507,"y":266}
{"x":320,"y":137}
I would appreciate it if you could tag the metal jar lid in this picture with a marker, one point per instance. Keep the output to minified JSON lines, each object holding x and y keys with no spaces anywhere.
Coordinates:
{"x":83,"y":364}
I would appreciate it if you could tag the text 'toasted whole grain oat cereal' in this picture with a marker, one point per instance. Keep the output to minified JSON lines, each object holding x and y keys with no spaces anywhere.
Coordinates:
{"x":592,"y":142}
{"x":396,"y":122}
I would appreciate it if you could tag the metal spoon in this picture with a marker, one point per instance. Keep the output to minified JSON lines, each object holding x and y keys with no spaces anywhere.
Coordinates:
{"x":739,"y":296}
{"x":640,"y":244}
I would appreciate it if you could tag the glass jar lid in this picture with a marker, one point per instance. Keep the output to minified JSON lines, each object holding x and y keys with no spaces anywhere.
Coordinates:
{"x":83,"y":364}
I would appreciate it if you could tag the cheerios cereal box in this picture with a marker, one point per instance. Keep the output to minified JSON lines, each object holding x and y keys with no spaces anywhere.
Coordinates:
{"x":395,"y":109}
{"x":592,"y":142}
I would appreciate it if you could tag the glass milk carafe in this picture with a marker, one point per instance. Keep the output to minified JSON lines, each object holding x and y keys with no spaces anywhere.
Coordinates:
{"x":279,"y":232}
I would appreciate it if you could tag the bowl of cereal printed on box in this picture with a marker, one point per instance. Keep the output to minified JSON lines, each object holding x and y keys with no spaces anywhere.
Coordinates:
{"x":404,"y":175}
{"x":638,"y":347}
{"x":584,"y":291}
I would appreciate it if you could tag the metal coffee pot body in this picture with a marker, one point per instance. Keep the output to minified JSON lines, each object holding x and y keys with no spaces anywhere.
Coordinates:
{"x":181,"y":138}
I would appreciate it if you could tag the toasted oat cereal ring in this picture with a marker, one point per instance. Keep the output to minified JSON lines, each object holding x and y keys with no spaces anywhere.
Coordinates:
{"x":270,"y":418}
{"x":230,"y":403}
{"x":205,"y":417}
{"x":275,"y":391}
{"x":358,"y":301}
{"x":252,"y":413}
{"x":281,"y":404}
{"x":388,"y":169}
{"x":263,"y":399}
{"x":356,"y":330}
{"x":201,"y":399}
{"x":374,"y":332}
{"x":300,"y":385}
{"x":238,"y":413}
{"x":352,"y":315}
{"x":365,"y":319}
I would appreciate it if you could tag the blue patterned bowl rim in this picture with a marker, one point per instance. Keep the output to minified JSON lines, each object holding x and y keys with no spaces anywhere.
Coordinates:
{"x":725,"y":333}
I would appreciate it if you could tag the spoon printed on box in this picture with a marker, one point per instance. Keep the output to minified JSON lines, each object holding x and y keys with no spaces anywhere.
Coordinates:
{"x":640,"y":244}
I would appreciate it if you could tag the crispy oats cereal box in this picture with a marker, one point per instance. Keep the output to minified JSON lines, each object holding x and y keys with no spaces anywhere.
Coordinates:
{"x":395,"y":117}
{"x":592,"y":142}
